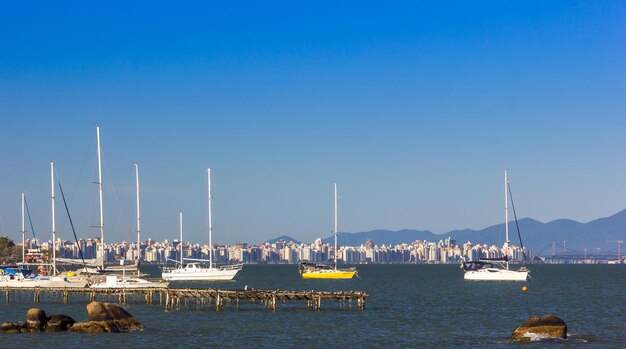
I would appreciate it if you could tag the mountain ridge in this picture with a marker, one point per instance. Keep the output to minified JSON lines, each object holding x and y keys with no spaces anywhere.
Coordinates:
{"x":536,"y":235}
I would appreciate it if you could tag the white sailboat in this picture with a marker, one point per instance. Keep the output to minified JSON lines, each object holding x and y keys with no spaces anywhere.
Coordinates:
{"x":21,"y":280}
{"x":195,"y":271}
{"x":496,"y":269}
{"x":119,"y":281}
{"x":310,"y":270}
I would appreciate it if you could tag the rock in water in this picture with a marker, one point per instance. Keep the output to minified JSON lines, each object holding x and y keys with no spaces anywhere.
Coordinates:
{"x":36,"y":319}
{"x":13,"y":327}
{"x":100,"y":311}
{"x":59,"y":323}
{"x":547,"y":327}
{"x":107,"y":317}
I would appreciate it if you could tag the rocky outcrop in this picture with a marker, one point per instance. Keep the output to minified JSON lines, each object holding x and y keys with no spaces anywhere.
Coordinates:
{"x":59,"y":323}
{"x":36,"y":319}
{"x":13,"y":327}
{"x":100,"y":311}
{"x":103,"y":317}
{"x":107,"y":317}
{"x":535,"y":328}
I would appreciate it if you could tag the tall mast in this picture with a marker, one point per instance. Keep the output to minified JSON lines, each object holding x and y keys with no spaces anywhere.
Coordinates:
{"x":23,"y":232}
{"x":54,"y":233}
{"x":180,"y":223}
{"x":138,"y":216}
{"x":100,"y":194}
{"x":210,"y":228}
{"x":335,"y":226}
{"x":506,"y":215}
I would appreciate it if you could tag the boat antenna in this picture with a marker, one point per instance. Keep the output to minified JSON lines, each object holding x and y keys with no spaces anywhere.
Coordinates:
{"x":80,"y":251}
{"x":210,"y":228}
{"x":23,"y":232}
{"x":54,"y":233}
{"x":519,"y":235}
{"x":506,"y":216}
{"x":100,"y":196}
{"x":335,"y":226}
{"x":180,"y":223}
{"x":138,"y":216}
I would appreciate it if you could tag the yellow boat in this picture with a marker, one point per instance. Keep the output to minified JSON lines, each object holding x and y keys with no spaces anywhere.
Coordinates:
{"x":309,"y":270}
{"x":324,"y":271}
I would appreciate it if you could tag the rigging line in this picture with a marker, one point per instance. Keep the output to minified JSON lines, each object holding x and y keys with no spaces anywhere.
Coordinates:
{"x":80,"y":251}
{"x":519,"y":235}
{"x":56,"y":175}
{"x":30,"y":221}
{"x":120,"y":221}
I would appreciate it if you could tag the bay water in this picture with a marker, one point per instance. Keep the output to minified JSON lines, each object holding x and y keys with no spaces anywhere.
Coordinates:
{"x":409,"y":306}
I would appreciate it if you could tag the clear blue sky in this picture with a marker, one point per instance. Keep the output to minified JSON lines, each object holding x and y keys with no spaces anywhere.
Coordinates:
{"x":413,"y":108}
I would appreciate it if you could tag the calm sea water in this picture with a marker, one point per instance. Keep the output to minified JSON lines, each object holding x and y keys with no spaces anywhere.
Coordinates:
{"x":410,"y":306}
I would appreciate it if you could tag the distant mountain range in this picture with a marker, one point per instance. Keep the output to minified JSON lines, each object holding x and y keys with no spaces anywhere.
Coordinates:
{"x":536,"y":235}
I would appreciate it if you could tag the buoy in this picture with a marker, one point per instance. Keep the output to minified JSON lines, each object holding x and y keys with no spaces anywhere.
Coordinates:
{"x":524,"y":288}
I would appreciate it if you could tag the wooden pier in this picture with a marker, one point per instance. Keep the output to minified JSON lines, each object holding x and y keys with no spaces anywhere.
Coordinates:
{"x":172,"y":298}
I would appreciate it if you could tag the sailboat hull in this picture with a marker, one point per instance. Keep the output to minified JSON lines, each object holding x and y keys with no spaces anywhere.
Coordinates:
{"x":200,"y":274}
{"x":495,"y":274}
{"x":44,"y":282}
{"x":329,"y":274}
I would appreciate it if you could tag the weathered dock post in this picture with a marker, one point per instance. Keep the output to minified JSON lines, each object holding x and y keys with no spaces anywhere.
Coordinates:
{"x":361,"y":303}
{"x":66,"y":297}
{"x":273,"y":302}
{"x":7,"y":295}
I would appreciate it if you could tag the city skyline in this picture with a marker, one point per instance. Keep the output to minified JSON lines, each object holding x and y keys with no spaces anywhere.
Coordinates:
{"x":414,"y":110}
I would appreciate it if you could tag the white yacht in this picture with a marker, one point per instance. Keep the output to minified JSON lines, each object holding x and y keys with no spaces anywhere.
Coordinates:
{"x":116,"y":282}
{"x":497,"y":269}
{"x":196,"y":271}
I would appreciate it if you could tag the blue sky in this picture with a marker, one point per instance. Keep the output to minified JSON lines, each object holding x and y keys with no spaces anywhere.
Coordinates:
{"x":413,"y":108}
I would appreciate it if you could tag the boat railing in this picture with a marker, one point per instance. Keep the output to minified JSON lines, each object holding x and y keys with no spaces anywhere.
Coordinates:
{"x":232,"y":266}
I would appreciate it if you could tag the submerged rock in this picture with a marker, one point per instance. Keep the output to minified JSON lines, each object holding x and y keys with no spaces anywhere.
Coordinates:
{"x":535,"y":328}
{"x":59,"y":323}
{"x":111,"y":326}
{"x":36,"y":319}
{"x":13,"y":327}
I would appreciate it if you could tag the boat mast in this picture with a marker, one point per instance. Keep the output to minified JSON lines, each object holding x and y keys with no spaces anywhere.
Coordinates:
{"x":180,"y":224}
{"x":138,"y":216}
{"x":210,"y":228}
{"x":100,"y":195}
{"x":335,"y":226}
{"x":506,"y":216}
{"x":54,"y":234}
{"x":23,"y":232}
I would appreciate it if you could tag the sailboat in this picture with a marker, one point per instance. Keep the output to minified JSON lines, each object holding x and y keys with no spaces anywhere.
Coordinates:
{"x":22,"y":278}
{"x":118,"y":281}
{"x":310,"y":270}
{"x":497,"y":269}
{"x":195,"y":271}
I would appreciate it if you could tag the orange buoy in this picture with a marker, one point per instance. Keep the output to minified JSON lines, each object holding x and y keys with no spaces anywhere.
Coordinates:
{"x":524,"y":288}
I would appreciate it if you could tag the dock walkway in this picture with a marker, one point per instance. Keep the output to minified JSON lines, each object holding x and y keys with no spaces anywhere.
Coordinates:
{"x":173,"y":297}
